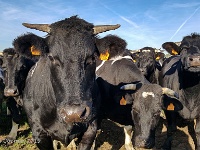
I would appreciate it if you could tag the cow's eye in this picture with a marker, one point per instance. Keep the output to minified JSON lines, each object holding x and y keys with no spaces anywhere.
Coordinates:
{"x":89,"y":61}
{"x":23,"y":67}
{"x":54,"y":61}
{"x":51,"y":58}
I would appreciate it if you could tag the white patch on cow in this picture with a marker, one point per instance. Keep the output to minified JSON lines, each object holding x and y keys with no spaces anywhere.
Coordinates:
{"x":98,"y":67}
{"x":119,"y":58}
{"x":128,"y":135}
{"x":13,"y":133}
{"x":146,"y":50}
{"x":33,"y":70}
{"x":145,"y":94}
{"x":8,"y":111}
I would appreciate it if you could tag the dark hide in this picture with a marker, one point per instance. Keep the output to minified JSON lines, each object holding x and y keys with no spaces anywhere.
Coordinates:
{"x":146,"y":109}
{"x":116,"y":72}
{"x":110,"y":78}
{"x":2,"y":86}
{"x":15,"y":109}
{"x":182,"y":74}
{"x":16,"y":68}
{"x":61,"y":95}
{"x":13,"y":106}
{"x":147,"y":63}
{"x":114,"y":45}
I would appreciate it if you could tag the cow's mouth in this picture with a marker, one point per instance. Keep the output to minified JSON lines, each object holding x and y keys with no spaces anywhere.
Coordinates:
{"x":193,"y":69}
{"x":193,"y":64}
{"x":142,"y":143}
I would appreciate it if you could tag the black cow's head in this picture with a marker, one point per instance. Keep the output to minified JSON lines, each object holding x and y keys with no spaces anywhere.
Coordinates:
{"x":146,"y":60}
{"x":16,"y":69}
{"x":146,"y":109}
{"x":189,"y":50}
{"x":66,"y":66}
{"x":111,"y":46}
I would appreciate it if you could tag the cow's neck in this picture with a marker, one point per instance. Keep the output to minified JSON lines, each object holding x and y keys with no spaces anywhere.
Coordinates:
{"x":189,"y":94}
{"x":152,"y":76}
{"x":190,"y":80}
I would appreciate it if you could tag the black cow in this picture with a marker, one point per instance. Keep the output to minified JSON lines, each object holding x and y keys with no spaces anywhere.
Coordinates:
{"x":61,"y":97}
{"x":2,"y":86}
{"x":147,"y":60}
{"x":182,"y":74}
{"x":137,"y":104}
{"x":16,"y":69}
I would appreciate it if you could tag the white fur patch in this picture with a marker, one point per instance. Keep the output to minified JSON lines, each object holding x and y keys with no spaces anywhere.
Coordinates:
{"x":145,"y":94}
{"x":146,"y":50}
{"x":128,"y":135}
{"x":98,"y":67}
{"x":120,"y":57}
{"x":13,"y":133}
{"x":33,"y":70}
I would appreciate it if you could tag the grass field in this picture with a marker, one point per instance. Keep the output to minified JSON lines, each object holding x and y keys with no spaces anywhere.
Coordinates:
{"x":24,"y":139}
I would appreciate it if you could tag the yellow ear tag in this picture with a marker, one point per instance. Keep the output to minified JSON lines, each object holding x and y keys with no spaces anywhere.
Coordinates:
{"x":104,"y":56}
{"x":174,"y":52}
{"x":34,"y":51}
{"x":122,"y":101}
{"x":170,"y":106}
{"x":158,"y":57}
{"x":134,"y":60}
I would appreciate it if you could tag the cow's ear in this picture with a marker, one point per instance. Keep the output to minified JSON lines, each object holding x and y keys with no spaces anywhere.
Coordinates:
{"x":30,"y":45}
{"x":171,"y":104}
{"x":171,"y":48}
{"x":135,"y":56}
{"x":159,"y":55}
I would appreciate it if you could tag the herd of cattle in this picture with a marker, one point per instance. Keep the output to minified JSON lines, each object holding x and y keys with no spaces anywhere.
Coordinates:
{"x":71,"y":80}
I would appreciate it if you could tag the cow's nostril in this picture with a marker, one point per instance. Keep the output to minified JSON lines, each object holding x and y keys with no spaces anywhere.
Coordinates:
{"x":190,"y":59}
{"x":83,"y":113}
{"x":16,"y":92}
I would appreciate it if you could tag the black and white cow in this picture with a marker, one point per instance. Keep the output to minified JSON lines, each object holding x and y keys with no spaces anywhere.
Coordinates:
{"x":127,"y":96}
{"x":147,"y":60}
{"x":181,"y":73}
{"x":61,"y":97}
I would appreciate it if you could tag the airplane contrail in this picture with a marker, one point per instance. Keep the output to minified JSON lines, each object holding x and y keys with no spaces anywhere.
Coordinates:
{"x":123,"y":18}
{"x":184,"y":23}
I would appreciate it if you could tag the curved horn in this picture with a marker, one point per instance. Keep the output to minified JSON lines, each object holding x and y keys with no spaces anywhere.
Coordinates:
{"x":129,"y":87}
{"x":170,"y":92}
{"x":104,"y":28}
{"x":40,"y":27}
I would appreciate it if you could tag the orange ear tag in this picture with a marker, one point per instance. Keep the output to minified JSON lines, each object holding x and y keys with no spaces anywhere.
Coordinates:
{"x":170,"y":106}
{"x":34,"y":51}
{"x":122,"y":101}
{"x":174,"y":52}
{"x":158,"y":57}
{"x":104,"y":56}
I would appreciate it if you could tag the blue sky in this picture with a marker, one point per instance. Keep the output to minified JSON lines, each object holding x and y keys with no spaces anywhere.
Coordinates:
{"x":143,"y":22}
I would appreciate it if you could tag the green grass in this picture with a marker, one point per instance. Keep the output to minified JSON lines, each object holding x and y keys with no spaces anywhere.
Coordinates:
{"x":24,"y":137}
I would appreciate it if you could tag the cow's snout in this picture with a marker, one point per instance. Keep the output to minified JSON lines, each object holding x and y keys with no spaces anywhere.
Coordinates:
{"x":75,"y":113}
{"x":144,"y":143}
{"x":194,"y":61}
{"x":11,"y":91}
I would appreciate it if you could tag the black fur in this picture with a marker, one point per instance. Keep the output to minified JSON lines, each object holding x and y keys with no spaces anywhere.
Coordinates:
{"x":180,"y":74}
